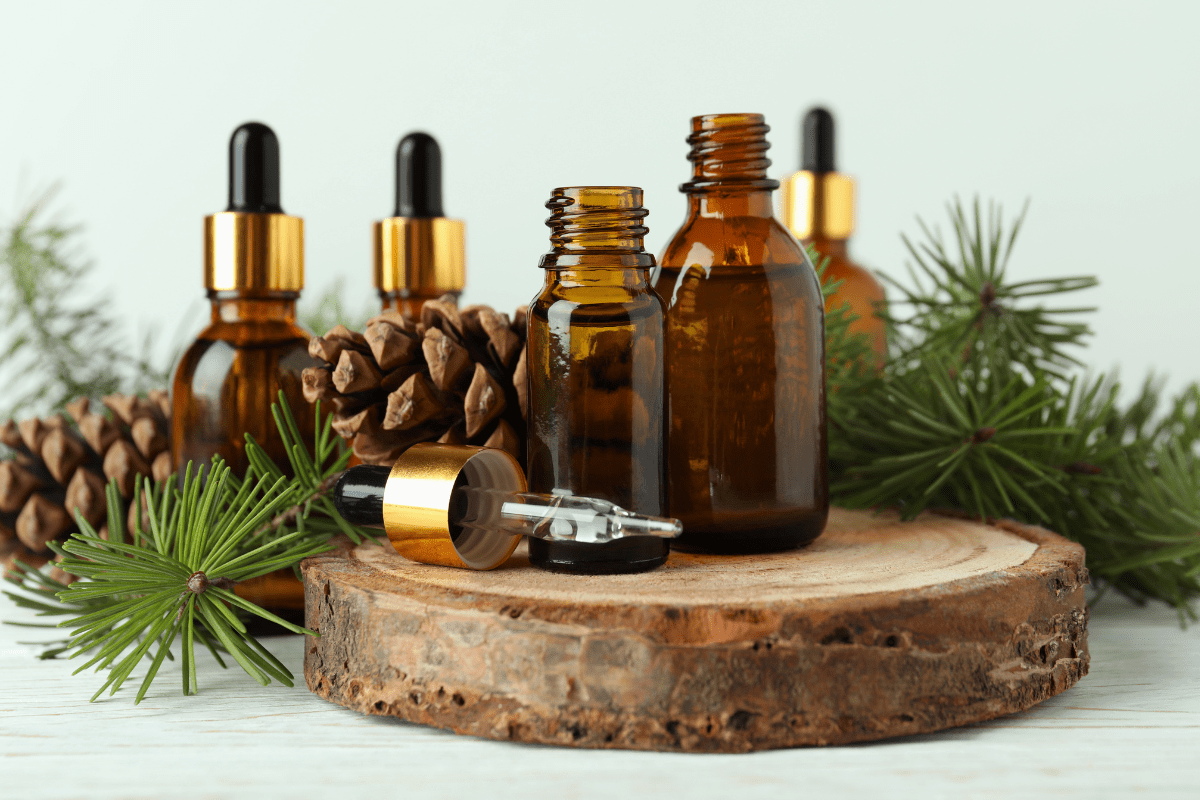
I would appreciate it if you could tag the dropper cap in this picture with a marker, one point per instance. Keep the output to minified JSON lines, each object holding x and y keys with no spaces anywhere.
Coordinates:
{"x":462,"y":506}
{"x":252,"y":245}
{"x":818,"y":201}
{"x":418,"y":251}
{"x":413,"y":501}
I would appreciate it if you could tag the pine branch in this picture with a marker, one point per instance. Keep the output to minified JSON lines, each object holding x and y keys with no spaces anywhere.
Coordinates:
{"x":961,"y":302}
{"x":172,"y":576}
{"x":39,"y":593}
{"x":152,"y":590}
{"x":980,"y":409}
{"x":53,"y":350}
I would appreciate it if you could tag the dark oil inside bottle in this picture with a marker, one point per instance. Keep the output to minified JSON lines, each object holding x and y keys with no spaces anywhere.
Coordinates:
{"x":747,"y":458}
{"x":228,"y":379}
{"x":223,"y":388}
{"x":744,"y":354}
{"x":597,"y":426}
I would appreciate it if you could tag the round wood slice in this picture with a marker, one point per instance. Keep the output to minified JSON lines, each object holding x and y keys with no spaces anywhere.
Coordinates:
{"x":880,"y":628}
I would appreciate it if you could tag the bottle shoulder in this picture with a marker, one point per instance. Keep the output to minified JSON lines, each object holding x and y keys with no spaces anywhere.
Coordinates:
{"x":255,"y":333}
{"x":608,"y":295}
{"x":713,"y":255}
{"x":854,"y":277}
{"x":223,"y":345}
{"x":573,"y":303}
{"x":731,"y":241}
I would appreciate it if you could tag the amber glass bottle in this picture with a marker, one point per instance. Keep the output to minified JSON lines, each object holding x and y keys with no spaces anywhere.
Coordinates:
{"x":228,"y":378}
{"x":253,"y":270}
{"x":744,"y":354}
{"x":596,"y":424}
{"x":818,"y":206}
{"x":419,"y":252}
{"x":226,"y":381}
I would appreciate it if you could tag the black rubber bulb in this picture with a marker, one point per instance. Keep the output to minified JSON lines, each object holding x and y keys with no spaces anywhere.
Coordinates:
{"x":418,"y":177}
{"x":358,"y":494}
{"x":817,"y":147}
{"x":254,"y":170}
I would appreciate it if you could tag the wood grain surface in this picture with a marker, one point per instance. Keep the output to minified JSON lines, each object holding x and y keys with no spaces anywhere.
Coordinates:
{"x":879,"y":629}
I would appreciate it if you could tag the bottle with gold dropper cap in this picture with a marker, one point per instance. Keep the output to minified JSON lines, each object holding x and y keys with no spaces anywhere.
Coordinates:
{"x":252,"y":349}
{"x":419,"y":254}
{"x":818,"y":206}
{"x":227,"y":380}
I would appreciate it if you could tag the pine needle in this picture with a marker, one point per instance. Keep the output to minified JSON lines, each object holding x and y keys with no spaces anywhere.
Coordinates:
{"x":984,"y":411}
{"x":54,"y":349}
{"x":204,"y":534}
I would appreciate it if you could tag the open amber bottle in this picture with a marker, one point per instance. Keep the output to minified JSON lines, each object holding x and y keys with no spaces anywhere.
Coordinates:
{"x":595,"y":355}
{"x":226,"y":381}
{"x":744,"y":356}
{"x":818,"y":207}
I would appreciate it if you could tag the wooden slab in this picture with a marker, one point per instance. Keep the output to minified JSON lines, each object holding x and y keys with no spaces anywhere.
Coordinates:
{"x":878,"y":629}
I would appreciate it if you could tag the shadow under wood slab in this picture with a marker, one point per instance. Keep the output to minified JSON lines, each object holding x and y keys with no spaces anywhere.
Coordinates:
{"x":880,"y":628}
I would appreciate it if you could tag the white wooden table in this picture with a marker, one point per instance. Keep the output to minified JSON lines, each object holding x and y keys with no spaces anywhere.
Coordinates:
{"x":1130,"y":727}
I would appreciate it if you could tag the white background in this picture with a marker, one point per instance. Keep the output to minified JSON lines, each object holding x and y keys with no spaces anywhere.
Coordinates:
{"x":1088,"y":109}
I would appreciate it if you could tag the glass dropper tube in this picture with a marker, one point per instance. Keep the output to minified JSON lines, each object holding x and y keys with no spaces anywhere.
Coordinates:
{"x":557,"y":517}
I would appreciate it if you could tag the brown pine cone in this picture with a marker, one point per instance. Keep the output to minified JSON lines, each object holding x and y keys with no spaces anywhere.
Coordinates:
{"x":59,"y":466}
{"x":455,"y":375}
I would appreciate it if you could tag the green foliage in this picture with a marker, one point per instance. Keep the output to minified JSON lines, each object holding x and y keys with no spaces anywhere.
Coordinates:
{"x":980,"y":408}
{"x":173,"y":575}
{"x":960,"y":302}
{"x":329,"y":309}
{"x":40,"y":593}
{"x":54,"y":348}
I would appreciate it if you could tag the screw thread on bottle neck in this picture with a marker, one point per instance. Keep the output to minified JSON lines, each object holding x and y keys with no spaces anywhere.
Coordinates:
{"x":587,"y":221}
{"x":729,"y":153}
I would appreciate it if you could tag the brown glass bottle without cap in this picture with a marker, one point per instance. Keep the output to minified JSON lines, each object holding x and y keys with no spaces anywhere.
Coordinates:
{"x":596,"y":424}
{"x":745,"y":356}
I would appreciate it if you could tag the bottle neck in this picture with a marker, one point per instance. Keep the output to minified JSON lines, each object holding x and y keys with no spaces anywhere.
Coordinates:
{"x":239,"y":307}
{"x":576,"y":277}
{"x":596,"y":228}
{"x":747,"y":203}
{"x":729,"y":158}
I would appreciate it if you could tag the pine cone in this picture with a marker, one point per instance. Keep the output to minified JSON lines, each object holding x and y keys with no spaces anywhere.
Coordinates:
{"x":59,"y":467}
{"x":455,"y":376}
